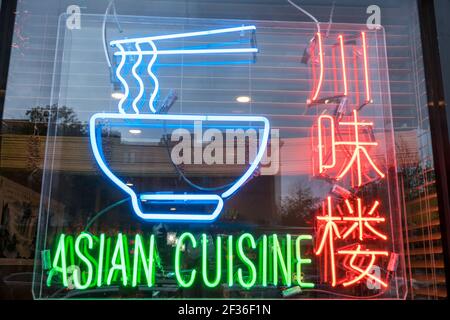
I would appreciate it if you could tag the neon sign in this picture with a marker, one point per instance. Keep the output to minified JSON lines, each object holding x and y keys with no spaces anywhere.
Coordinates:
{"x":244,"y":261}
{"x":341,"y":240}
{"x":137,"y":119}
{"x":357,"y":140}
{"x":355,"y":224}
{"x":137,"y":42}
{"x":318,"y":96}
{"x":348,"y":234}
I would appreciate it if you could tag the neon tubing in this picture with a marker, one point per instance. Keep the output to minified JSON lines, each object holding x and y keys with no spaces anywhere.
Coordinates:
{"x":349,"y":207}
{"x":363,"y":273}
{"x":330,"y":231}
{"x":366,"y":66}
{"x":155,"y":79}
{"x":185,"y":197}
{"x":255,"y":162}
{"x":122,"y":80}
{"x":356,"y":76}
{"x":374,"y":207}
{"x":344,"y":72}
{"x":333,"y":61}
{"x":349,"y":143}
{"x":356,"y":157}
{"x":361,"y":221}
{"x":136,"y":76}
{"x":360,"y":224}
{"x":379,"y":234}
{"x":319,"y":84}
{"x":358,"y":149}
{"x":183,"y":35}
{"x":323,"y":166}
{"x":155,"y":52}
{"x":350,"y":230}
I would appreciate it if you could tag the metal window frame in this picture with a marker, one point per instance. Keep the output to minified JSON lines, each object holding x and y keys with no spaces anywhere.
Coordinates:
{"x":438,"y":121}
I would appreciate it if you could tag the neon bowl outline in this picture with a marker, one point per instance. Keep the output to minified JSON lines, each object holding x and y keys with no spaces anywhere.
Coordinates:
{"x":173,"y":217}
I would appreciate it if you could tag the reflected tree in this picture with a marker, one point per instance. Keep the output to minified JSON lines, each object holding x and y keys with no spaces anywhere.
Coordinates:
{"x":296,"y":208}
{"x":64,"y":117}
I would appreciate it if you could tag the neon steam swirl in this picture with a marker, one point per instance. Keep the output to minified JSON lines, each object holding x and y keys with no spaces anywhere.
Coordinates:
{"x":138,"y":78}
{"x":122,"y":80}
{"x":155,"y":53}
{"x":153,"y":76}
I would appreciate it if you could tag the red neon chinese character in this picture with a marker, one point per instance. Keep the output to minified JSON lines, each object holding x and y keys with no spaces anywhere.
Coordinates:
{"x":333,"y":229}
{"x":357,"y":145}
{"x":359,"y":272}
{"x":330,"y":232}
{"x":319,"y":73}
{"x":362,"y":221}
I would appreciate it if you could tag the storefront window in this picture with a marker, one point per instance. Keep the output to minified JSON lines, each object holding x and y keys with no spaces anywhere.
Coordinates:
{"x":204,"y":149}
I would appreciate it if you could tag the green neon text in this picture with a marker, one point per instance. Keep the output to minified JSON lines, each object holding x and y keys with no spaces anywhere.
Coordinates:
{"x":239,"y":260}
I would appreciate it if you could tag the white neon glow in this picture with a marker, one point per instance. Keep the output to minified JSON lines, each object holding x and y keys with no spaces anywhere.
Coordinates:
{"x":183,"y":35}
{"x":155,"y":53}
{"x":170,"y":216}
{"x":155,"y":79}
{"x":138,"y":200}
{"x":187,"y":198}
{"x":178,"y":197}
{"x":138,"y":78}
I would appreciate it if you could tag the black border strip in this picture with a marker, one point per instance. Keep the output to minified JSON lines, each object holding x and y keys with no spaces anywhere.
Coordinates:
{"x":438,"y":122}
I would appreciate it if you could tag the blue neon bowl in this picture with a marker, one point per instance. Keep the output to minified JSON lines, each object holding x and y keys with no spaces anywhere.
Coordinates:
{"x":155,"y":206}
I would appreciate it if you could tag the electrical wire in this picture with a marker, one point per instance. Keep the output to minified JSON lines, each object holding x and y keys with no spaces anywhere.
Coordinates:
{"x":100,"y":213}
{"x":352,"y":297}
{"x":183,"y":176}
{"x":104,"y":36}
{"x":306,"y":13}
{"x":7,"y":278}
{"x":330,"y":21}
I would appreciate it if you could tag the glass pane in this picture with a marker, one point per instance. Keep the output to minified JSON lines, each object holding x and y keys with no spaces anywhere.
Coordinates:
{"x":203,"y":129}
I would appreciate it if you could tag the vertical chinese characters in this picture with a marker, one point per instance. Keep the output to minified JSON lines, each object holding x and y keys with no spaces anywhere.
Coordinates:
{"x":350,"y":229}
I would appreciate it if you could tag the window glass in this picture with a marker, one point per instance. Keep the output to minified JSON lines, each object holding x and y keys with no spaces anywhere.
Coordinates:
{"x":92,"y":136}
